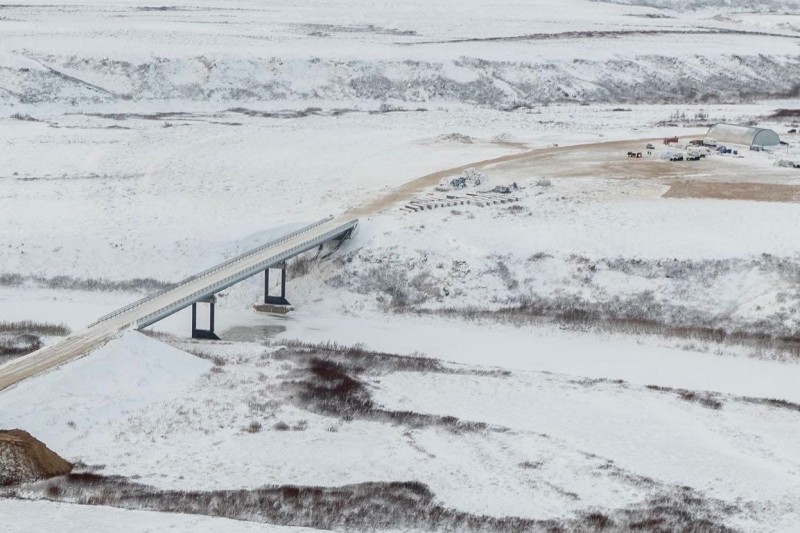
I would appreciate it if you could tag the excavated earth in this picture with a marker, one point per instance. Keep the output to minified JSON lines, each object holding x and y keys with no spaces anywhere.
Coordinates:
{"x":24,"y":458}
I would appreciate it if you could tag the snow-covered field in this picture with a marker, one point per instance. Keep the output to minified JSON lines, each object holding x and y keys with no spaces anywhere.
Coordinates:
{"x":593,"y":351}
{"x":21,"y":516}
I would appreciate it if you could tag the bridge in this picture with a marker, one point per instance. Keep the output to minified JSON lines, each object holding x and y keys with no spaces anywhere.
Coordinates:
{"x":198,"y":288}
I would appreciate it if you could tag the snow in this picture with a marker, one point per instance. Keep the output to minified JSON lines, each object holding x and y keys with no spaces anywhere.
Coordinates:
{"x":550,"y":349}
{"x":494,"y":53}
{"x":741,"y":452}
{"x":120,"y":378}
{"x":42,"y":515}
{"x":143,"y":409}
{"x":164,"y":141}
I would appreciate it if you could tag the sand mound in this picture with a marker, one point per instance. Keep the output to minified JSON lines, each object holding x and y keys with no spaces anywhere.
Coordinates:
{"x":23,"y":458}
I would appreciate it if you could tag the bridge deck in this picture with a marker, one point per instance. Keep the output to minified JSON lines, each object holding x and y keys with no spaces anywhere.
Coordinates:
{"x":160,"y":305}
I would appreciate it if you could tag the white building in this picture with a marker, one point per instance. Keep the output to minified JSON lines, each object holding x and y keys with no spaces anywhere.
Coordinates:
{"x":746,"y":135}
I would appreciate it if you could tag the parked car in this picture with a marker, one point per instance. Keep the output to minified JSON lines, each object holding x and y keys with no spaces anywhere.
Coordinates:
{"x":649,"y":147}
{"x":676,"y":157}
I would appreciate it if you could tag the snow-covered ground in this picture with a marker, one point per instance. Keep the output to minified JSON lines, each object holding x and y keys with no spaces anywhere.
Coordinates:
{"x":496,"y":52}
{"x":601,"y":344}
{"x":23,"y":517}
{"x":557,"y":443}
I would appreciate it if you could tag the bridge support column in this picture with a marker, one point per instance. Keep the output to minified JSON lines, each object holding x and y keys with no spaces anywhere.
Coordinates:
{"x":274,"y":303}
{"x":276,"y":300}
{"x":204,"y":333}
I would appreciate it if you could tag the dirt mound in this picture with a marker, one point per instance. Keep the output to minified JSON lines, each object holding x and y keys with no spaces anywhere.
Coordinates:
{"x":23,"y":458}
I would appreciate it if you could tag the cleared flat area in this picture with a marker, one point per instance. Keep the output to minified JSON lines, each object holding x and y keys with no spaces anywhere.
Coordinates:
{"x":609,"y":160}
{"x":710,"y":177}
{"x":760,"y":192}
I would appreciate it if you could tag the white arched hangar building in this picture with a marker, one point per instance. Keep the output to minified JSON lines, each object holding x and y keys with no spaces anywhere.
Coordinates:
{"x":746,"y":135}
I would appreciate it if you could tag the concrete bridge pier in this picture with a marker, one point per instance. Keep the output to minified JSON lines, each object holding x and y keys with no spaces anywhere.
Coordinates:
{"x":273,"y":303}
{"x":204,"y":333}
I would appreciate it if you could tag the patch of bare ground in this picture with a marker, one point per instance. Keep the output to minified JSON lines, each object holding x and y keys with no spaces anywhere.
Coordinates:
{"x":372,"y":506}
{"x":328,"y":381}
{"x":24,"y":458}
{"x":760,"y":192}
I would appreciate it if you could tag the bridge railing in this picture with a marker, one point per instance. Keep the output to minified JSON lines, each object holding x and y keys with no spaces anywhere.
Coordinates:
{"x":211,"y":270}
{"x":235,"y":278}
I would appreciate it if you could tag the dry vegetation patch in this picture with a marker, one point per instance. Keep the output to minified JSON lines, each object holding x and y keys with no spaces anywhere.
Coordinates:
{"x":20,"y":338}
{"x":374,"y":506}
{"x":11,"y":279}
{"x":712,"y":400}
{"x":329,"y":380}
{"x":630,"y":320}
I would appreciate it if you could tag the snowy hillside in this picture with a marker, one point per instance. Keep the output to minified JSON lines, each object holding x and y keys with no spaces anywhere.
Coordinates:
{"x":492,"y":54}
